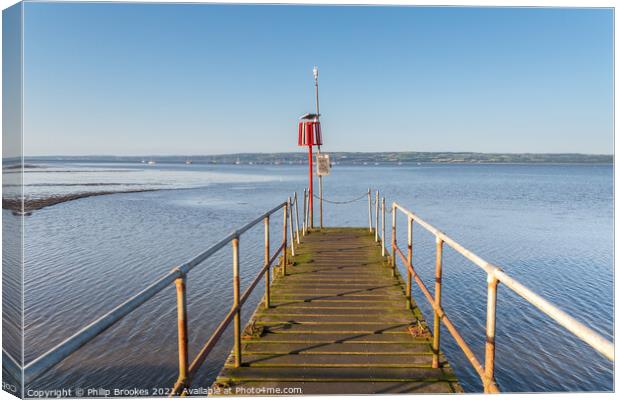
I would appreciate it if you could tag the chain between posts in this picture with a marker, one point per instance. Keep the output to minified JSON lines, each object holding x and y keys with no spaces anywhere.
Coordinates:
{"x":343,"y":201}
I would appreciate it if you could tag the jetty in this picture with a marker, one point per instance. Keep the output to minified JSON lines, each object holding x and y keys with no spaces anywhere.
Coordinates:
{"x":336,"y":316}
{"x":339,"y":321}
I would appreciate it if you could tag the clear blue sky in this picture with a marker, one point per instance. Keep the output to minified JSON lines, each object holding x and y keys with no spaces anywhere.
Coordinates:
{"x":206,"y":79}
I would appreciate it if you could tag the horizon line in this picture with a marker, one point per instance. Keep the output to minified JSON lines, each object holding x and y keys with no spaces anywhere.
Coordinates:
{"x":303,"y":152}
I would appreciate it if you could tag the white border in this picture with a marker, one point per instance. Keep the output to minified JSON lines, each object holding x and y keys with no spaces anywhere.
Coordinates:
{"x":479,"y":3}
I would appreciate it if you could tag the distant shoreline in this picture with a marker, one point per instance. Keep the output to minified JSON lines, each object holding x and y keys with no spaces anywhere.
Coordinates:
{"x":346,"y":158}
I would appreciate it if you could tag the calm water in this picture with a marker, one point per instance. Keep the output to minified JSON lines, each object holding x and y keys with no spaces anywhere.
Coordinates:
{"x":549,"y":226}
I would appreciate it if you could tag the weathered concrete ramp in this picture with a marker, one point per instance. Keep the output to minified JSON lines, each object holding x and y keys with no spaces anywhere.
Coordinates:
{"x":338,"y":324}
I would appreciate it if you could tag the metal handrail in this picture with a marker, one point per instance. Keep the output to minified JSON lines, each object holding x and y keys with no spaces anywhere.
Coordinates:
{"x":494,"y":276}
{"x":178,"y":274}
{"x":215,"y":336}
{"x":184,"y":380}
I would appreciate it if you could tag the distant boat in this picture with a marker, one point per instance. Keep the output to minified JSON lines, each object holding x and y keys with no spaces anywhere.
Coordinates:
{"x":143,"y":162}
{"x":151,"y":162}
{"x":238,"y":161}
{"x":188,"y":162}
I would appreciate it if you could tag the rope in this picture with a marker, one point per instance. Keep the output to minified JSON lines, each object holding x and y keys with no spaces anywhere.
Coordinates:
{"x":342,"y":202}
{"x":388,"y":210}
{"x":373,"y":202}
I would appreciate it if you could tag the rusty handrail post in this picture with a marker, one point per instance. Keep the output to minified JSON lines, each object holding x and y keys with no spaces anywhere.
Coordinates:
{"x":383,"y":226}
{"x":285,"y":209}
{"x":303,"y":217}
{"x":393,"y":260}
{"x":290,"y":225}
{"x":436,"y":319}
{"x":369,"y":212}
{"x":377,"y":216}
{"x":267,"y":272}
{"x":409,"y":258}
{"x":182,"y":380}
{"x":489,"y":351}
{"x":321,"y":200}
{"x":236,"y":293}
{"x":308,"y":226}
{"x":306,"y":211}
{"x":296,"y":218}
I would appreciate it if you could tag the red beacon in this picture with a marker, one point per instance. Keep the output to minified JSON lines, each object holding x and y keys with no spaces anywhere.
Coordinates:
{"x":310,"y":131}
{"x":310,"y":135}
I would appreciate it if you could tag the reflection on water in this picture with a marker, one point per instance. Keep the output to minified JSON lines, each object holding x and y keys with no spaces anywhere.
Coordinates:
{"x":548,"y":226}
{"x":53,"y":179}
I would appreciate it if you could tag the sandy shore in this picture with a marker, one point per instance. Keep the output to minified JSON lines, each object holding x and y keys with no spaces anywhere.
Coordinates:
{"x":31,"y":205}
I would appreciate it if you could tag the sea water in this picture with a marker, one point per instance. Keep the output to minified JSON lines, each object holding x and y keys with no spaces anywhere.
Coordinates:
{"x":549,"y":226}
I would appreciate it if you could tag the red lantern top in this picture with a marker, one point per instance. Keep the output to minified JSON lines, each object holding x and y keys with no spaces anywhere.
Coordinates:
{"x":310,"y":133}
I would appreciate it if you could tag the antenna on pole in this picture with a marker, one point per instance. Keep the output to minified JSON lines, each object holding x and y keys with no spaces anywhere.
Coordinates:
{"x":315,"y":72}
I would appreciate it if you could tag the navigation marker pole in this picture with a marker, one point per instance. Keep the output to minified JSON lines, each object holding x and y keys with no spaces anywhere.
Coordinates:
{"x":309,"y":131}
{"x":315,"y":72}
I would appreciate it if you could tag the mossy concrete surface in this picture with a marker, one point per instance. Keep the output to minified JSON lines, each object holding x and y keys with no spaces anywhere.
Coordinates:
{"x":338,"y":324}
